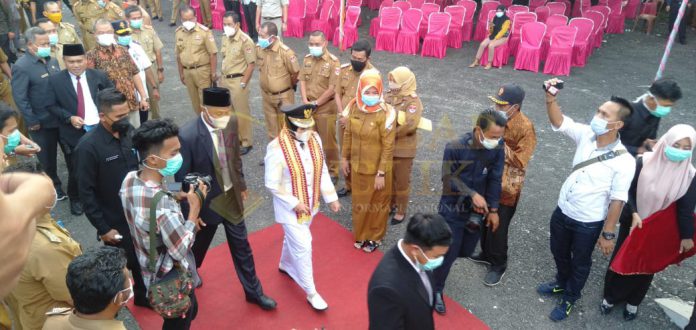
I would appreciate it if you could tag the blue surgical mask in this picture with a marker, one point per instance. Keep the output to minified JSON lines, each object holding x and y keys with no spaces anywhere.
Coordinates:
{"x":316,"y":51}
{"x":53,"y":39}
{"x":430,"y":264}
{"x":677,"y":155}
{"x":12,"y":141}
{"x":173,"y":165}
{"x":43,"y":52}
{"x":499,"y":14}
{"x":101,"y":3}
{"x":264,"y":43}
{"x":123,"y":40}
{"x":599,"y":126}
{"x":660,"y":111}
{"x":136,"y":23}
{"x":370,"y":100}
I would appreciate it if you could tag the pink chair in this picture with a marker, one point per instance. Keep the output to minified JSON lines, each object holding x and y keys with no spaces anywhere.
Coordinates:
{"x":560,"y":55}
{"x":335,"y":17}
{"x":568,"y":7}
{"x":556,"y":8}
{"x":580,"y":7}
{"x":529,"y":52}
{"x":552,"y":22}
{"x":606,"y":11}
{"x":408,"y":40}
{"x":603,"y":3}
{"x":649,"y":8}
{"x":374,"y":23}
{"x":616,"y":21}
{"x":350,"y":28}
{"x":435,"y":42}
{"x":598,"y":33}
{"x":481,"y":31}
{"x":388,"y":29}
{"x":197,"y":8}
{"x":403,"y":5}
{"x":518,"y":21}
{"x":501,"y":54}
{"x":512,"y":10}
{"x":582,"y":46}
{"x":631,"y":9}
{"x":468,"y":24}
{"x":454,"y":37}
{"x":506,"y":3}
{"x":312,"y":7}
{"x":323,"y":23}
{"x":416,"y":3}
{"x":217,"y":10}
{"x":534,"y":4}
{"x":427,"y":9}
{"x":296,"y":15}
{"x":355,"y":3}
{"x":542,"y":13}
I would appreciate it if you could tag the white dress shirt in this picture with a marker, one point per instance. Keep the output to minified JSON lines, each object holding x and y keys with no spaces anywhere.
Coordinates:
{"x":226,"y":180}
{"x":143,"y":63}
{"x":423,"y":275}
{"x":277,"y":180}
{"x":91,"y":112}
{"x":587,"y":192}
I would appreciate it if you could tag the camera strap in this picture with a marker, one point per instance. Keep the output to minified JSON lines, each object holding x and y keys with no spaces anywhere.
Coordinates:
{"x":603,"y":157}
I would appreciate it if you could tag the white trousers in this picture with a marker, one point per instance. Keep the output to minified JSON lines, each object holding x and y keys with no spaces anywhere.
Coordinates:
{"x":296,"y":257}
{"x":134,"y":118}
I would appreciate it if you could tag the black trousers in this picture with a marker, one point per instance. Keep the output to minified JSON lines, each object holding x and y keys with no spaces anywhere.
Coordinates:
{"x":5,"y":45}
{"x":692,"y":321}
{"x":183,"y":323}
{"x":143,"y":116}
{"x":494,"y":245}
{"x":132,"y":263}
{"x":49,"y":139}
{"x":673,"y":12}
{"x":242,"y":257}
{"x":250,"y":14}
{"x":233,"y":5}
{"x":463,"y":245}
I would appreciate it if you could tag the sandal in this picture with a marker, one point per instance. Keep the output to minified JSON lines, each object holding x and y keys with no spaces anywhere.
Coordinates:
{"x":488,"y":67}
{"x":371,"y":246}
{"x":359,"y":244}
{"x":475,"y":64}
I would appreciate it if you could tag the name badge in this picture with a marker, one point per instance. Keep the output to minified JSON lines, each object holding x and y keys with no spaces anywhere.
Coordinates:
{"x":108,"y":159}
{"x":485,"y":171}
{"x":44,"y":75}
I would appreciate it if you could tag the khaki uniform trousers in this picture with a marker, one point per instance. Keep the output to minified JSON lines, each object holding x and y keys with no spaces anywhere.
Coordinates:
{"x":370,"y":207}
{"x":196,"y":80}
{"x":275,"y":119}
{"x":401,"y":174}
{"x":325,"y":125}
{"x":175,"y":9}
{"x":155,"y":7}
{"x":206,"y":16}
{"x":154,"y":104}
{"x":240,"y":106}
{"x":342,"y":130}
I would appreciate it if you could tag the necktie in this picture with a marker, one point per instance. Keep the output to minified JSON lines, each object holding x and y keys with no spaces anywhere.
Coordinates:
{"x":222,"y":154}
{"x":80,"y":100}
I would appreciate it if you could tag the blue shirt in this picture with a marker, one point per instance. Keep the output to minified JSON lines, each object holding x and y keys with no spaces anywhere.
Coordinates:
{"x":481,"y":173}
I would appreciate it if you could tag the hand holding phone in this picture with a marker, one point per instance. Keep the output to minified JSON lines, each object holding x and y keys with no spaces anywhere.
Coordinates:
{"x":552,"y":86}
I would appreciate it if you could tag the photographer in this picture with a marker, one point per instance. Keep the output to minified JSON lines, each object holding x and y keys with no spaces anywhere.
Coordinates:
{"x":472,"y":169}
{"x":158,"y":146}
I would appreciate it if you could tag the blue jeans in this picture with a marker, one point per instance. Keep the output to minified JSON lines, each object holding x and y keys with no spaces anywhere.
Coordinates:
{"x":572,"y":244}
{"x":463,"y":245}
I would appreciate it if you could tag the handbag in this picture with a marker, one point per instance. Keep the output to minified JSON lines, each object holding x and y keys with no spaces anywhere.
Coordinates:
{"x":168,"y":295}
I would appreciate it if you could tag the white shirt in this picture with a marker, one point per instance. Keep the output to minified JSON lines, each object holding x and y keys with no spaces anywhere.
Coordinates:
{"x":226,"y":180}
{"x":587,"y":192}
{"x":277,"y":180}
{"x":423,"y":275}
{"x":272,"y":8}
{"x":91,"y":112}
{"x":143,"y":63}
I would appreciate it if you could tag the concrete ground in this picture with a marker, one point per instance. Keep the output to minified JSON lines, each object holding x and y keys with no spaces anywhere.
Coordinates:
{"x":452,"y":95}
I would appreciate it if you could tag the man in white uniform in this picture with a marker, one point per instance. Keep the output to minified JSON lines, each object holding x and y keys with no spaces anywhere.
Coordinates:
{"x":296,"y":174}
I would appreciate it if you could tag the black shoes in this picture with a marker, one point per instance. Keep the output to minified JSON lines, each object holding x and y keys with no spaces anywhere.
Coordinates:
{"x":343,"y":192}
{"x":494,"y":276}
{"x":396,"y":221}
{"x":76,"y":208}
{"x":142,"y":302}
{"x":265,"y":302}
{"x":479,"y":259}
{"x":439,"y":304}
{"x":245,"y":150}
{"x":172,"y":24}
{"x":60,"y":195}
{"x":628,"y":316}
{"x":605,"y":309}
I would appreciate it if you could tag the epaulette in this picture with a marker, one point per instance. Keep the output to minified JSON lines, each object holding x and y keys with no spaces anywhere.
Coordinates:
{"x":343,"y":66}
{"x":284,"y":47}
{"x":67,"y":24}
{"x":49,"y":235}
{"x":203,"y":27}
{"x":147,"y":27}
{"x":59,"y":311}
{"x":179,"y":28}
{"x":333,"y":57}
{"x":308,"y":55}
{"x":414,"y":95}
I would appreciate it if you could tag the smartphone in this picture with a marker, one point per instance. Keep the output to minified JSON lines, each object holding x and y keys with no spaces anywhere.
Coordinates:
{"x":174,"y":187}
{"x":553,"y":89}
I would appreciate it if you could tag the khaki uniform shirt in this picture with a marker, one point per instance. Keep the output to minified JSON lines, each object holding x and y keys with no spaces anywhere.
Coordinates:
{"x":67,"y":34}
{"x":406,"y":140}
{"x":368,"y":141}
{"x":147,"y":38}
{"x":86,"y":13}
{"x":57,"y":53}
{"x":238,"y":52}
{"x":67,"y":320}
{"x":41,"y":284}
{"x":348,"y":82}
{"x":520,"y":142}
{"x":113,"y":12}
{"x":319,"y":73}
{"x":195,"y":47}
{"x":278,"y":67}
{"x":5,"y":88}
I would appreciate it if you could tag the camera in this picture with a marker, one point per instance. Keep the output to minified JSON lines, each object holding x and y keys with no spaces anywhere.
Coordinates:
{"x":475,"y":222}
{"x":192,"y":180}
{"x":553,"y":89}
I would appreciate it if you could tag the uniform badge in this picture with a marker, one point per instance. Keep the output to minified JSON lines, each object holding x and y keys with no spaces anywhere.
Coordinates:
{"x":248,"y":49}
{"x":338,"y":71}
{"x":308,"y":113}
{"x":293,"y":58}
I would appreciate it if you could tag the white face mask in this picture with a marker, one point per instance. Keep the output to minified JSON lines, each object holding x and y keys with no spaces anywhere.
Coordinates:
{"x":219,"y":123}
{"x":304,"y":136}
{"x":489,"y":143}
{"x":229,"y":31}
{"x":188,"y":25}
{"x":130,"y":295}
{"x":106,"y":39}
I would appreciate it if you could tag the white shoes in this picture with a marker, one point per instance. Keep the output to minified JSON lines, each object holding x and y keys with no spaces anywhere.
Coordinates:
{"x":317,"y":302}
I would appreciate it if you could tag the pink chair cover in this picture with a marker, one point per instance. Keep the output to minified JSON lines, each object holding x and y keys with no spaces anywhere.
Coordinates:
{"x":416,"y":3}
{"x":582,"y":44}
{"x":323,"y":23}
{"x":408,"y":40}
{"x":556,"y":8}
{"x":649,"y":8}
{"x":501,"y":53}
{"x":388,"y":29}
{"x":335,"y":17}
{"x":520,"y":19}
{"x":506,"y":3}
{"x":403,"y":5}
{"x":356,"y":3}
{"x":217,"y":10}
{"x":374,"y":23}
{"x":631,"y":9}
{"x":603,"y":2}
{"x":529,"y":52}
{"x":606,"y":11}
{"x":596,"y":18}
{"x":454,"y":37}
{"x":616,"y":21}
{"x":552,"y":22}
{"x":435,"y":42}
{"x":560,"y":56}
{"x":350,"y":28}
{"x":312,"y":12}
{"x":543,"y":13}
{"x":512,"y":10}
{"x":568,"y":7}
{"x":468,"y":24}
{"x":581,"y":6}
{"x":534,"y":4}
{"x":481,"y":31}
{"x":296,"y":15}
{"x":599,"y":27}
{"x":197,"y":8}
{"x":427,"y":9}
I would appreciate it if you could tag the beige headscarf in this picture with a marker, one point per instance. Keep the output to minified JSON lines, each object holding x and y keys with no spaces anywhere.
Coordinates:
{"x":406,"y":80}
{"x":662,"y":181}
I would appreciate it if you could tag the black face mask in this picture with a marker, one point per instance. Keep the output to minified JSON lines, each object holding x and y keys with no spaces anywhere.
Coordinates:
{"x":357,"y":65}
{"x":121,"y":126}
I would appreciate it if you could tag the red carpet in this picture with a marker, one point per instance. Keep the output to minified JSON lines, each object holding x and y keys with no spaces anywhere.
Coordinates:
{"x":341,"y":274}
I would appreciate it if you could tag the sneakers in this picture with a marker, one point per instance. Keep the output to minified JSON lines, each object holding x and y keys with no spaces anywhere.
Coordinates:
{"x":550,"y":288}
{"x":494,"y":276}
{"x":479,"y":259}
{"x":317,"y":302}
{"x":605,"y":308}
{"x":561,"y":311}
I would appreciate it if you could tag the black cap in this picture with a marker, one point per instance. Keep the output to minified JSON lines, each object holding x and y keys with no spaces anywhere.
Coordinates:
{"x":300,"y":114}
{"x":73,"y":50}
{"x":120,"y":27}
{"x":216,"y":97}
{"x":509,"y":94}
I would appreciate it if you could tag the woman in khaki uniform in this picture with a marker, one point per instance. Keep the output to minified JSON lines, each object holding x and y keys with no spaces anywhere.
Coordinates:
{"x":402,"y":96}
{"x":368,"y":143}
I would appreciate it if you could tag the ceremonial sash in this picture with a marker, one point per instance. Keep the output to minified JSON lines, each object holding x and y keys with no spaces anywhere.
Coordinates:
{"x":298,"y":179}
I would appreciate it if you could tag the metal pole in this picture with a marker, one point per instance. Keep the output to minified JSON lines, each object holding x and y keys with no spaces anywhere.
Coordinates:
{"x":670,"y":41}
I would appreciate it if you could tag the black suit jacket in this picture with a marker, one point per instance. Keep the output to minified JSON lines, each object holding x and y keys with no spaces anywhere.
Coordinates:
{"x":65,"y":96}
{"x":396,"y":296}
{"x":199,"y":156}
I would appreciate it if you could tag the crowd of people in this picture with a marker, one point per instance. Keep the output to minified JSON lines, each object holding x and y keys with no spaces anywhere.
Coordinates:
{"x":156,"y":193}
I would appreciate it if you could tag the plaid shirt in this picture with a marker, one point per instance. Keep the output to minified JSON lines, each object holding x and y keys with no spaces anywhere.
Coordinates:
{"x":175,"y":233}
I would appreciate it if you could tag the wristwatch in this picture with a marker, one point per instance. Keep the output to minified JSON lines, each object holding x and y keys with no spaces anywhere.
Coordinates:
{"x":608,"y":235}
{"x":160,"y":69}
{"x":243,"y":85}
{"x":380,"y":174}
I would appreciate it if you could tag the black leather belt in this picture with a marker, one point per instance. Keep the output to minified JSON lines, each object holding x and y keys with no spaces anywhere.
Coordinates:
{"x":270,"y":18}
{"x":195,"y":66}
{"x":281,"y":92}
{"x":236,"y":75}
